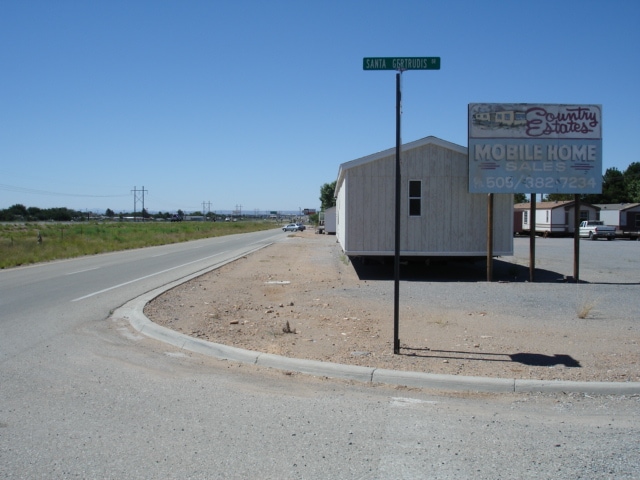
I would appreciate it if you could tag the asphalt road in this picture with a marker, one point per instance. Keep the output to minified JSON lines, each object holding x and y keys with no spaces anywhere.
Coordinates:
{"x":82,"y":396}
{"x":88,"y":288}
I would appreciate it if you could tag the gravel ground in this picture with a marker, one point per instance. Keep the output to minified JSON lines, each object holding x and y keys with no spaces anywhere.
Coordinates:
{"x":301,"y":297}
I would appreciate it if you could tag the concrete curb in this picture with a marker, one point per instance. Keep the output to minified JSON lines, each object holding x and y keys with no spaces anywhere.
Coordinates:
{"x":133,"y":312}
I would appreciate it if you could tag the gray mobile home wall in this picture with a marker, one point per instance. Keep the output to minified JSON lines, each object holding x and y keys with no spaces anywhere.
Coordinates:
{"x":453,"y":222}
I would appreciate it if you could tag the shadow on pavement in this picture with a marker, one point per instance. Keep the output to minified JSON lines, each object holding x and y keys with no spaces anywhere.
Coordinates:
{"x":530,"y":359}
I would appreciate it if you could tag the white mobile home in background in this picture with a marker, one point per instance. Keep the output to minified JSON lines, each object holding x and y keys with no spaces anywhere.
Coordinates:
{"x":439,"y":217}
{"x":624,"y":216}
{"x":554,"y":217}
{"x":330,"y":221}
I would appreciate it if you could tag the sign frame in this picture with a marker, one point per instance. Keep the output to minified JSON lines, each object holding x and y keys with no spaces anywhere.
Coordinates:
{"x":543,"y":148}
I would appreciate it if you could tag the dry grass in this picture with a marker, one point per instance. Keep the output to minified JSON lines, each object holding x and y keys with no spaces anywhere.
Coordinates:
{"x":27,"y":243}
{"x":585,"y":309}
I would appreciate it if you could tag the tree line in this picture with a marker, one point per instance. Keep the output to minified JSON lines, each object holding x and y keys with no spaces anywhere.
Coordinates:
{"x":617,"y":187}
{"x":20,"y":213}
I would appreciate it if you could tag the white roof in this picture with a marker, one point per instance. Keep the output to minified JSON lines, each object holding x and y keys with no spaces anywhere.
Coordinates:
{"x":391,"y":151}
{"x":617,"y":206}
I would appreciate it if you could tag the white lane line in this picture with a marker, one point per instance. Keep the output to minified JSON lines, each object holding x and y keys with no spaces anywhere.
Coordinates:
{"x":82,"y":271}
{"x":170,"y":253}
{"x":266,"y":240}
{"x":142,"y":278}
{"x":409,"y":402}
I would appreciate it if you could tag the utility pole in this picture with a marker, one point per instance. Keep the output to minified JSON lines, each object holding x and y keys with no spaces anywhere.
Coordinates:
{"x":138,"y":195}
{"x":203,"y":208}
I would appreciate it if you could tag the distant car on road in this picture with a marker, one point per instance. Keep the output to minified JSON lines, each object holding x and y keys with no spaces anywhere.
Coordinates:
{"x":301,"y":227}
{"x":292,"y":227}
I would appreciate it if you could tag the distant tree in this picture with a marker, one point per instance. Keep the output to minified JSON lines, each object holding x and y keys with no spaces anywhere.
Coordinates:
{"x":631,"y":181}
{"x":613,"y":190}
{"x":145,"y":214}
{"x":60,"y":214}
{"x":18,"y":211}
{"x":592,"y":198}
{"x":36,"y":213}
{"x":109,"y":213}
{"x":327,"y":195}
{"x":559,"y":197}
{"x":633,"y":191}
{"x":519,"y":198}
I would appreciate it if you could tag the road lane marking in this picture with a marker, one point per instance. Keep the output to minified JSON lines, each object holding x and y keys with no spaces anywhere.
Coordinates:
{"x":266,"y":240}
{"x":82,"y":271}
{"x":143,"y":278}
{"x":402,"y":402}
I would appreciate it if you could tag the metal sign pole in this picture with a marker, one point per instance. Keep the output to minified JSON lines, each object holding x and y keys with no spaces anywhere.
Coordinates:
{"x":400,"y":64}
{"x":396,"y":266}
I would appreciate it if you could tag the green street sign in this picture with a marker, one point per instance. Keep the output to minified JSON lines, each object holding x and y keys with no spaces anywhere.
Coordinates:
{"x":401,"y":63}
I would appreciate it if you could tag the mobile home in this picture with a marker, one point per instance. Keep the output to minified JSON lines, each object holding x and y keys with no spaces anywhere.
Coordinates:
{"x":553,"y":218}
{"x":330,"y":221}
{"x":624,"y":216}
{"x":439,"y":217}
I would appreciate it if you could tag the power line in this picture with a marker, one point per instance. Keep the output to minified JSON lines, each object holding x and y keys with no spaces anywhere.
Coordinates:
{"x":12,"y":188}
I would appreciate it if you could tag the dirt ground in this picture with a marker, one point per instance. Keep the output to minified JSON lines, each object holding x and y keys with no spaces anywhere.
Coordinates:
{"x":301,"y":297}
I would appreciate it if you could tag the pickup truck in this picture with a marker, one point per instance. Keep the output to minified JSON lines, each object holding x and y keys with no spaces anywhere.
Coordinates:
{"x":595,"y":229}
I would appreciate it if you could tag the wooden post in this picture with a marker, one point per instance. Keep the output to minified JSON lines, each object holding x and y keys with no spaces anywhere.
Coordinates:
{"x":490,"y":237}
{"x":576,"y":240}
{"x":532,"y":239}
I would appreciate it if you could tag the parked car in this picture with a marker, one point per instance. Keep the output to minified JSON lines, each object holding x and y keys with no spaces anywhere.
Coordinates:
{"x":301,"y":227}
{"x":292,"y":227}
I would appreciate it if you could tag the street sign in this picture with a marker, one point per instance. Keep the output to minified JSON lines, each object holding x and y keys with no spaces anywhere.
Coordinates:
{"x":401,"y":63}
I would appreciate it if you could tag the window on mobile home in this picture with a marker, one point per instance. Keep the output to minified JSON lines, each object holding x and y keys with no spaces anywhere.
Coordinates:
{"x":415,"y":197}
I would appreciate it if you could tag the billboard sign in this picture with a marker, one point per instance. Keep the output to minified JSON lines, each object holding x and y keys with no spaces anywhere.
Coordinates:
{"x":535,"y":148}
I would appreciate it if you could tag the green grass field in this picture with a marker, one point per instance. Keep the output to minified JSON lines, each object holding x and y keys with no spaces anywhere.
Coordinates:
{"x":27,"y":243}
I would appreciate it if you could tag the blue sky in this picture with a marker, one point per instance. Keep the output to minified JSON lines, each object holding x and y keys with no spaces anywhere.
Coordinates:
{"x":256,"y":104}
